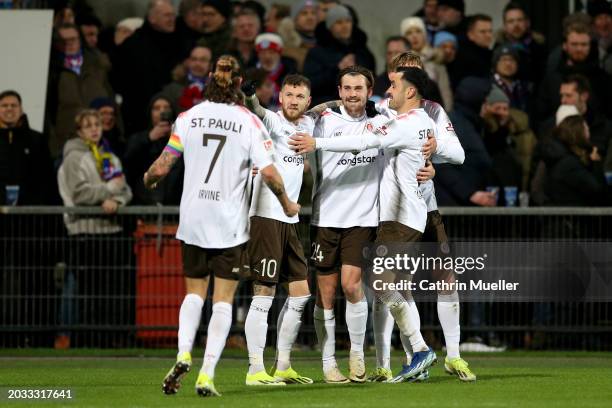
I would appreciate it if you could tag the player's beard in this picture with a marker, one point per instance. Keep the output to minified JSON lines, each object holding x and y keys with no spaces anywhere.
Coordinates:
{"x":292,"y":114}
{"x":354,"y":106}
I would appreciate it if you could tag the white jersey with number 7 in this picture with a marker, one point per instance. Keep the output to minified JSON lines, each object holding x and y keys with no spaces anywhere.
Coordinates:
{"x":219,"y":143}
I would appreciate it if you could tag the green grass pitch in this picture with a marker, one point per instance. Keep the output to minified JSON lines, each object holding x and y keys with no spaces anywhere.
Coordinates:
{"x":132,"y":378}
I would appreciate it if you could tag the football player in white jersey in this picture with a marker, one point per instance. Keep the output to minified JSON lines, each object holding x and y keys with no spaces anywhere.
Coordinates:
{"x":275,"y":252}
{"x":403,"y":211}
{"x":345,"y":217}
{"x":449,"y":150}
{"x":219,"y":140}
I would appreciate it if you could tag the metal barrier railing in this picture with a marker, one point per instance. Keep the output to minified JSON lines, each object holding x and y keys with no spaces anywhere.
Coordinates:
{"x":119,"y":283}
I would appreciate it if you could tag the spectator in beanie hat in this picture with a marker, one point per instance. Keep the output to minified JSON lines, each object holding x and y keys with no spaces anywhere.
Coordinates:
{"x":298,"y":30}
{"x":505,"y":65}
{"x":217,"y":28}
{"x":341,"y":44}
{"x":447,"y":43}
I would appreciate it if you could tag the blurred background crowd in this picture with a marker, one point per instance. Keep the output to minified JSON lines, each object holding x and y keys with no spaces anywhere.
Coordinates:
{"x":532,"y":116}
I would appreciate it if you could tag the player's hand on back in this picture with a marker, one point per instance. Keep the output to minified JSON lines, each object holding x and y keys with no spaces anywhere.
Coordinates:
{"x":426,"y":173}
{"x":302,"y":143}
{"x":292,"y":209}
{"x":429,"y":147}
{"x":484,"y":198}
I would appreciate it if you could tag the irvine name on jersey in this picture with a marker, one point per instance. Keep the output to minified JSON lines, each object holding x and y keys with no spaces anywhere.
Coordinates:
{"x":345,"y":191}
{"x":219,"y":143}
{"x":289,"y":165}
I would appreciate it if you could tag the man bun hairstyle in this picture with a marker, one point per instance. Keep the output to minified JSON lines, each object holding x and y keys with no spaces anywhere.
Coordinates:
{"x":225,"y":82}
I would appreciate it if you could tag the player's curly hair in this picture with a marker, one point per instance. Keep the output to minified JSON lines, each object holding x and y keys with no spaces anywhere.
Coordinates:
{"x":224,"y":86}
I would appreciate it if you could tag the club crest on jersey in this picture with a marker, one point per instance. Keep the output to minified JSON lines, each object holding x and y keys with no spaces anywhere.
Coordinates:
{"x":268,"y":145}
{"x":369,"y":127}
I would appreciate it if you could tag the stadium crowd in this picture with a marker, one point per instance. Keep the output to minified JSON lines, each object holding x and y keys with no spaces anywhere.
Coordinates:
{"x":506,"y":95}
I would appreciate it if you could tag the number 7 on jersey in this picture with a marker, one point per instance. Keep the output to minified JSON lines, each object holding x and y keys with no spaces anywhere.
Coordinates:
{"x":221,"y":139}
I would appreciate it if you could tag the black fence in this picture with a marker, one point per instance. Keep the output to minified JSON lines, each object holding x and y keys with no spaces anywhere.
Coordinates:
{"x":118,"y":283}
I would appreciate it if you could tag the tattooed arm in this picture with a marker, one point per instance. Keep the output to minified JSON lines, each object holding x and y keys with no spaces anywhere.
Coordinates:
{"x":159,"y":169}
{"x":274,"y":181}
{"x":316,"y":111}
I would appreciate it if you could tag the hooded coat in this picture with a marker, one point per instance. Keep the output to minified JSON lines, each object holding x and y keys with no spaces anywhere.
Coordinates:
{"x":569,"y":181}
{"x":140,"y":153}
{"x":80,"y":184}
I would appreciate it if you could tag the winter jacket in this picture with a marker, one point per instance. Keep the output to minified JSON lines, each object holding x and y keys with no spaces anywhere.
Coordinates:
{"x":141,"y":152}
{"x":69,"y":92}
{"x":145,"y":63}
{"x":218,"y":42}
{"x":456,"y":184}
{"x":569,"y":181}
{"x":472,"y":60}
{"x":532,"y":54}
{"x":548,"y":97}
{"x":321,"y":65}
{"x":25,"y":161}
{"x":80,"y":184}
{"x":511,"y":147}
{"x":295,"y":45}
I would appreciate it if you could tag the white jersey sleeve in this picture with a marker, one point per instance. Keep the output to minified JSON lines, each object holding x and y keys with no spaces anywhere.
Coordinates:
{"x":291,"y":168}
{"x":262,"y":147}
{"x":449,"y":148}
{"x":391,"y":135}
{"x":273,"y":124}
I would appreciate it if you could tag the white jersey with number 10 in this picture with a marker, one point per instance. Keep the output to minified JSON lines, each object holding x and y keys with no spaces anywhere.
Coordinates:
{"x":219,"y":143}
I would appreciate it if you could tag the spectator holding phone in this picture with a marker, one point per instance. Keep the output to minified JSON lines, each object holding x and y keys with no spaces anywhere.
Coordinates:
{"x":144,"y":147}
